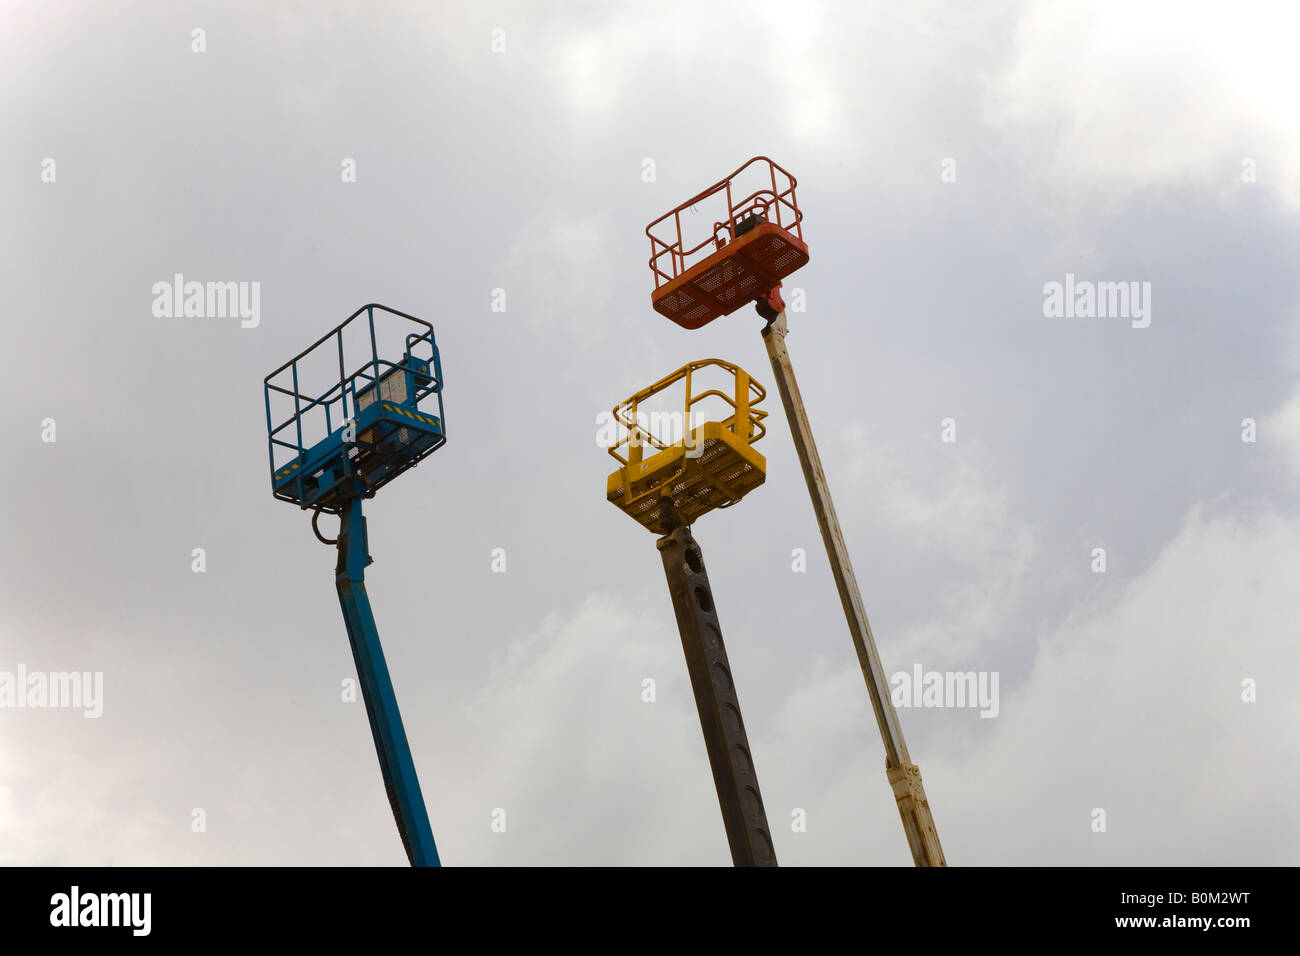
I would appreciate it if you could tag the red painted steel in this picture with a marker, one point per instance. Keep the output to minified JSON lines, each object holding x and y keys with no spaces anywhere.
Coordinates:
{"x":757,"y":243}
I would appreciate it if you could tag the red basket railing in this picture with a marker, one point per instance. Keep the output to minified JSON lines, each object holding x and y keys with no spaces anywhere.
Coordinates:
{"x":773,"y":199}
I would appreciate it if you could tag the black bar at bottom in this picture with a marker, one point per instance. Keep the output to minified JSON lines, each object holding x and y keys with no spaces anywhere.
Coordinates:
{"x":1156,"y":907}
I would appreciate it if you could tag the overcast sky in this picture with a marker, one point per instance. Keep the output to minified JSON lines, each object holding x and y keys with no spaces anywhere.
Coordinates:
{"x":952,"y":158}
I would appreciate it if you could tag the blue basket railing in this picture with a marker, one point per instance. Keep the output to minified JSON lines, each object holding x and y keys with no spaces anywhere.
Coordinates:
{"x":375,"y":426}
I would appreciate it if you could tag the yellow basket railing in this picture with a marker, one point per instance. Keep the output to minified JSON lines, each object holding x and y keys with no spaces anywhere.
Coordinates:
{"x":746,"y":396}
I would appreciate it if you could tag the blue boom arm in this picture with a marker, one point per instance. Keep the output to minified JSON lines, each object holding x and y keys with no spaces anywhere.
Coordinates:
{"x":395,"y":759}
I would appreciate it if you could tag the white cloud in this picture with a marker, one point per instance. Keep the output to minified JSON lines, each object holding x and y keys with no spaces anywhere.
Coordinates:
{"x":560,"y":269}
{"x":1133,"y":706}
{"x":1130,"y":96}
{"x":1137,"y":709}
{"x":1281,"y":430}
{"x":587,"y":772}
{"x":959,"y":511}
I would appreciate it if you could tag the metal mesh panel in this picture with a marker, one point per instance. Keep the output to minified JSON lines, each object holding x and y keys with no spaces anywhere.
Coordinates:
{"x":718,"y":478}
{"x":392,"y":388}
{"x":762,"y":257}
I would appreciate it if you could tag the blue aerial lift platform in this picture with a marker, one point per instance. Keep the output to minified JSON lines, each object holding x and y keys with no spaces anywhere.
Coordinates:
{"x":341,"y":423}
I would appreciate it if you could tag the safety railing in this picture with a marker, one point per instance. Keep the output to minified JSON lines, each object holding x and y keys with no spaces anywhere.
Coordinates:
{"x":745,"y":420}
{"x":770,"y":198}
{"x":318,"y":412}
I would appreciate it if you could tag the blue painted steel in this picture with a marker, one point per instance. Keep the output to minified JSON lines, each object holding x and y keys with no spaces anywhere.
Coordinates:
{"x":395,"y":759}
{"x":388,"y":405}
{"x":375,"y":428}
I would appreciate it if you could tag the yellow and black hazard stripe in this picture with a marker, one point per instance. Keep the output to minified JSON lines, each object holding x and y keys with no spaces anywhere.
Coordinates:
{"x":396,"y":409}
{"x":428,"y":420}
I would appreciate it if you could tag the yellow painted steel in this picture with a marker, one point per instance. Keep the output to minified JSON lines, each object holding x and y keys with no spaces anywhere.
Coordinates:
{"x":713,"y":465}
